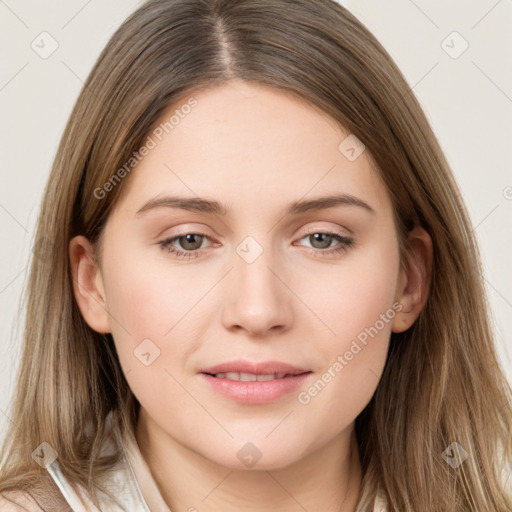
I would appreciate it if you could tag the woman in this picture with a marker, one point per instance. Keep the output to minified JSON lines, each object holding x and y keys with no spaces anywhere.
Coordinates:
{"x":264,"y":290}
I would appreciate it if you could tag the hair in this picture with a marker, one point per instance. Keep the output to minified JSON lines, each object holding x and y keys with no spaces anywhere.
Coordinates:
{"x":442,"y":382}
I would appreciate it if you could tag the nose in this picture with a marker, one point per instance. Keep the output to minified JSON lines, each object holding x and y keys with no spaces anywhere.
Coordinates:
{"x":258,"y":300}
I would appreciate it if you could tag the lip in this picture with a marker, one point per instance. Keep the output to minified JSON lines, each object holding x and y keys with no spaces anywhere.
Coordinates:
{"x":255,"y":392}
{"x":260,"y":368}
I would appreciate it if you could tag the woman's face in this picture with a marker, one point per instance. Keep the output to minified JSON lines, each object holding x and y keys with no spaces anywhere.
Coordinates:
{"x":255,"y":266}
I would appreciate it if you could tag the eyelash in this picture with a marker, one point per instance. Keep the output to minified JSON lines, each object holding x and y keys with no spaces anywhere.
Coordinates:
{"x":345,"y":244}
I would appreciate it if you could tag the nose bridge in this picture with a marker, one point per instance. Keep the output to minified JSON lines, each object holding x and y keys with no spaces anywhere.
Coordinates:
{"x":258,"y":299}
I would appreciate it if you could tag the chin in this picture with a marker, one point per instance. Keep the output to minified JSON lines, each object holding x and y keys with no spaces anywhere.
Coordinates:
{"x":255,"y":455}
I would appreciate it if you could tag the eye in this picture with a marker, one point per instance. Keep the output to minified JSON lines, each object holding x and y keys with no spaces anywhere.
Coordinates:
{"x":321,"y":242}
{"x":190,"y":242}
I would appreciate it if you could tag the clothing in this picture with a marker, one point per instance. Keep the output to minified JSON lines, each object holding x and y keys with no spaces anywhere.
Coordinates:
{"x":130,"y":482}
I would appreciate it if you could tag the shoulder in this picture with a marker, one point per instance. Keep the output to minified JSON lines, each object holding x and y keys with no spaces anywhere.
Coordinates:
{"x":18,"y":501}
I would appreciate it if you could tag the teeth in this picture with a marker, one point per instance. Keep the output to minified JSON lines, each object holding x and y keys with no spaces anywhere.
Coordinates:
{"x":249,"y":377}
{"x":265,"y":377}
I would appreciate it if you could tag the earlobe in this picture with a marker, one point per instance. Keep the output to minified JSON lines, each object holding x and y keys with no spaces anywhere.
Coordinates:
{"x":88,"y":284}
{"x":414,"y":283}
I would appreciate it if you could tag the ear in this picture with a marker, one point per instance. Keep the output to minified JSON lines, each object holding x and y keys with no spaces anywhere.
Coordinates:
{"x":414,"y":281}
{"x":88,"y":284}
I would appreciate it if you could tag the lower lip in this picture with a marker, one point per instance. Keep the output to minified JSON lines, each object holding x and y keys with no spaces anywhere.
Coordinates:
{"x":256,"y":392}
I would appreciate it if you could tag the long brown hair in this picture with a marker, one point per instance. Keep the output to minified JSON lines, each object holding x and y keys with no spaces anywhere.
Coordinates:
{"x":442,"y":383}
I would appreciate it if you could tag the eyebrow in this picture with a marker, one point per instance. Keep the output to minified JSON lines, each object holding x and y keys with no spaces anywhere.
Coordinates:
{"x":202,"y":205}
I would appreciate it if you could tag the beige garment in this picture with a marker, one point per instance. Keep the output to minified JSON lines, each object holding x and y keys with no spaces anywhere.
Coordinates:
{"x":131,"y":482}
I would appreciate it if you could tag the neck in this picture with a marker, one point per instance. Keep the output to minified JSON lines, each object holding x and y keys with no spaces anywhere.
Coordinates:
{"x":327,"y":479}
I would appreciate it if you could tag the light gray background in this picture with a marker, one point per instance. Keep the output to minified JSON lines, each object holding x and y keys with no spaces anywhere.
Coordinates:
{"x":468,"y":101}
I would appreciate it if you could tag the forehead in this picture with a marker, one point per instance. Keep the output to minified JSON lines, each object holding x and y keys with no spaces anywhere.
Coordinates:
{"x":249,"y":146}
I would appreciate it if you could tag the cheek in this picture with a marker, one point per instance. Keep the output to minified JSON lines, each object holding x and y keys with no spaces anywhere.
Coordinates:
{"x":148,"y":294}
{"x":146,"y":302}
{"x":353,"y":294}
{"x":358,"y":306}
{"x":152,"y":333}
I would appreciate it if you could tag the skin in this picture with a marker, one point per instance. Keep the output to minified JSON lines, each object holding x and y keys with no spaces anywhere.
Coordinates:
{"x":256,"y":150}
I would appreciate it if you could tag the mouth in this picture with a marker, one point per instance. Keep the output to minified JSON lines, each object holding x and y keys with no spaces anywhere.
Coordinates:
{"x":245,"y":370}
{"x":254,"y":383}
{"x":252,"y":377}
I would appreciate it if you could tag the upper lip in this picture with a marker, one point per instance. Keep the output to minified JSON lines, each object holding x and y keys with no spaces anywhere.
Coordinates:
{"x":257,"y":368}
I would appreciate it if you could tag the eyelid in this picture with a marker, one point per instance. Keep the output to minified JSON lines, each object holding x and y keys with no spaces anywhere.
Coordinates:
{"x":344,"y":232}
{"x":187,"y":228}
